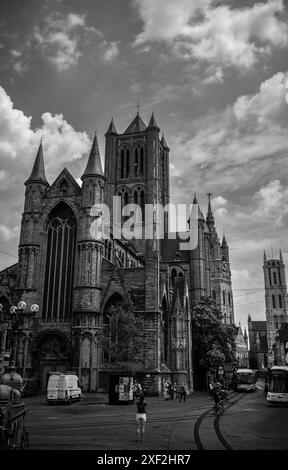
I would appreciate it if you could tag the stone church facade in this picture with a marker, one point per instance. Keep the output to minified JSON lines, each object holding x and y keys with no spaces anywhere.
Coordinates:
{"x":76,"y":277}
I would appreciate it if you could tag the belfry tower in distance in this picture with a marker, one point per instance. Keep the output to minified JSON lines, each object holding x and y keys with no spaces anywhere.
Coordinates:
{"x":275,"y":298}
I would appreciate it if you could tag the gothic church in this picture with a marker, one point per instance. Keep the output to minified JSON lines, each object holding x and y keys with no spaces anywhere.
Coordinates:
{"x":74,"y":277}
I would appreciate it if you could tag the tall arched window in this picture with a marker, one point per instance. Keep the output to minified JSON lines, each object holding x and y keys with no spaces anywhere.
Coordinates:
{"x":274,"y":278}
{"x":142,"y":204}
{"x":122,"y":163}
{"x":280,"y":301}
{"x":173,"y":275}
{"x":224,"y":297}
{"x":111,"y":306}
{"x":269,"y":275}
{"x":273,"y":301}
{"x":141,"y":161}
{"x":136,"y":164}
{"x":59,"y":271}
{"x":127,"y":162}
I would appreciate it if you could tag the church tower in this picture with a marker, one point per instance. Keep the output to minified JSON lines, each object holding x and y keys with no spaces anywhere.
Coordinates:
{"x":87,"y":291}
{"x":137,"y":171}
{"x":36,"y":187}
{"x":275,"y":297}
{"x":221,"y":279}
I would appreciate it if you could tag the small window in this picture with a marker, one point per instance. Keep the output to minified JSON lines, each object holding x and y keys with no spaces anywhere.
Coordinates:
{"x":63,"y":188}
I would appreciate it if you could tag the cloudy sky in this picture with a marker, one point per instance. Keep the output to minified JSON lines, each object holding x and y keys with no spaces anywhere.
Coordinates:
{"x":215,"y":75}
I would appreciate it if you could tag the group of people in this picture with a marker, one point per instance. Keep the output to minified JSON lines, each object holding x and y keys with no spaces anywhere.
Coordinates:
{"x":171,"y":390}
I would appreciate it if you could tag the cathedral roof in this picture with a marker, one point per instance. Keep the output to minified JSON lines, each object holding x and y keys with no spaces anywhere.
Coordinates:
{"x":38,"y":171}
{"x":94,"y":165}
{"x":137,"y":125}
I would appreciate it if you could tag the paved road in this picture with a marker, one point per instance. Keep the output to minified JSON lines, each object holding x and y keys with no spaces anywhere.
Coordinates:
{"x":92,"y":424}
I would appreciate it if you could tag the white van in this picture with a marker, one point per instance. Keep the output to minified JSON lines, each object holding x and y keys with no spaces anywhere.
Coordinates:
{"x":63,"y":387}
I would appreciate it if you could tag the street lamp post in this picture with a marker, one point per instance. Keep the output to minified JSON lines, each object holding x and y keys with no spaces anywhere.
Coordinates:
{"x":17,"y":318}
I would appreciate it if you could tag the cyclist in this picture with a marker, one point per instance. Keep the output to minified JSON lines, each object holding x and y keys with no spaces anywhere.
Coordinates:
{"x":218,"y":394}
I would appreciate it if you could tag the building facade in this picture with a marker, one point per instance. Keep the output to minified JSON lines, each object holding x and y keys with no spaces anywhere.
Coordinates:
{"x":76,"y":274}
{"x":241,"y":348}
{"x":258,"y":345}
{"x":276,"y":300}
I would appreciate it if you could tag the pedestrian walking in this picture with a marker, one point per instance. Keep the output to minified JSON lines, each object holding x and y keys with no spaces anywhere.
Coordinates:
{"x":165,"y":391}
{"x":141,"y":418}
{"x":182,"y":392}
{"x":171,"y":391}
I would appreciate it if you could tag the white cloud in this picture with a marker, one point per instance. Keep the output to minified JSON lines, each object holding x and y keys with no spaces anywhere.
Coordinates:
{"x":59,"y":39}
{"x":62,"y":144}
{"x":6,"y":234}
{"x":240,"y":144}
{"x":220,"y":35}
{"x":111,"y":50}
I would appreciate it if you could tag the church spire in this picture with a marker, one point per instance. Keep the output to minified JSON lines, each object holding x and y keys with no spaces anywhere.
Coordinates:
{"x":210,"y":217}
{"x":281,"y":257}
{"x":38,"y":171}
{"x":111,"y":128}
{"x":153,"y":124}
{"x":164,"y":144}
{"x":94,"y":165}
{"x":265,"y":257}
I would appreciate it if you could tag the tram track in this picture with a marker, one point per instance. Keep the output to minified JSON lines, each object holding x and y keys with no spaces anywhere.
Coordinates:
{"x":216,"y":423}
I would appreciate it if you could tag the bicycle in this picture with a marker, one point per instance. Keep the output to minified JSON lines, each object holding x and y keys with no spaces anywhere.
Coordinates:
{"x":218,"y":408}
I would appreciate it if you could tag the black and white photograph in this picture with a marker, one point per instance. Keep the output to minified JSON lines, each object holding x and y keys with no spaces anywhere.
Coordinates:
{"x":143,"y":229}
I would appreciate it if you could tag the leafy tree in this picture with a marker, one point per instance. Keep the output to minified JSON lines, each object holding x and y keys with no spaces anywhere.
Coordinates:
{"x":213,"y":341}
{"x":123,"y":340}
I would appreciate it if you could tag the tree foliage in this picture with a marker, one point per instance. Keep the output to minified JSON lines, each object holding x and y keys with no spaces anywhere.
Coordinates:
{"x":123,"y":340}
{"x":213,"y":341}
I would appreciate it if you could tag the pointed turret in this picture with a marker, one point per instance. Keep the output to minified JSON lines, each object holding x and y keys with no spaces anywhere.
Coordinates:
{"x":200,"y":214}
{"x":281,"y":257}
{"x":164,"y":144}
{"x":137,"y":125}
{"x":38,"y":171}
{"x":210,"y":217}
{"x":94,"y":165}
{"x":224,"y":242}
{"x":153,"y":124}
{"x":265,"y":257}
{"x":111,"y":128}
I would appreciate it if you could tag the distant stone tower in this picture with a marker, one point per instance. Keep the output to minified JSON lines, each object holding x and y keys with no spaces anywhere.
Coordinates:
{"x":275,"y":298}
{"x":221,"y":279}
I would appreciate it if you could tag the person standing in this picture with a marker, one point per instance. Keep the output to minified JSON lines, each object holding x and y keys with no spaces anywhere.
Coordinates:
{"x":141,"y":418}
{"x":182,"y":392}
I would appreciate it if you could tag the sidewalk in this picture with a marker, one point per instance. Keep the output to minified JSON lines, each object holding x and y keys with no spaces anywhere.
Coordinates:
{"x":102,"y":398}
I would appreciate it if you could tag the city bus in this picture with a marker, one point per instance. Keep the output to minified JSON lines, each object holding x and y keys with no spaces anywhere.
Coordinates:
{"x":245,"y":380}
{"x":277,"y":385}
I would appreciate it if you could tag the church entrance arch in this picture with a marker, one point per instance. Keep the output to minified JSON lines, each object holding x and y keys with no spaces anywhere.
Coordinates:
{"x":51,"y":353}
